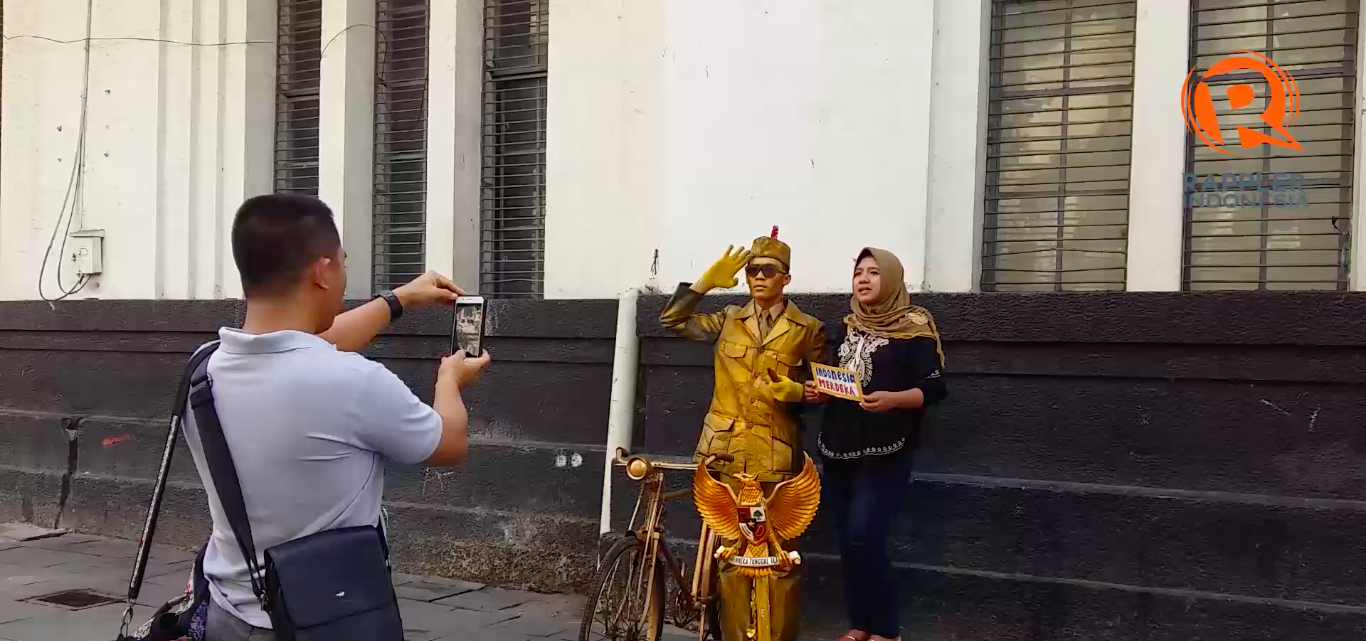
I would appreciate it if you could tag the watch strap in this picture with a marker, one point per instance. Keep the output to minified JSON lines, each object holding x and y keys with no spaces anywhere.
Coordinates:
{"x":395,"y":307}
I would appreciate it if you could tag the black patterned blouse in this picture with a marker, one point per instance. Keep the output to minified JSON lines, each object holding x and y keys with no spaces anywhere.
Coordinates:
{"x":884,"y":364}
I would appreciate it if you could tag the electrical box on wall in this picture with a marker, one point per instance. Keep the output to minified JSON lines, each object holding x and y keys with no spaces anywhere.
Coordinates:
{"x":85,"y":249}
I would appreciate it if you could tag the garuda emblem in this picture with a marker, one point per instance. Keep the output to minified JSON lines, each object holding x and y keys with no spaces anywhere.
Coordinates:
{"x":758,"y":523}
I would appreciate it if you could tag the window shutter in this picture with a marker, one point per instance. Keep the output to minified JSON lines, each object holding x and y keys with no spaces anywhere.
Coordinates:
{"x":400,"y":194}
{"x":299,"y":54}
{"x":513,"y":186}
{"x":1253,"y":246}
{"x":1058,"y":142}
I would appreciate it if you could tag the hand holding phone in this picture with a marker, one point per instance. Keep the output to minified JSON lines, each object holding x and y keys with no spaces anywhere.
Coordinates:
{"x":463,"y":369}
{"x":467,"y":329}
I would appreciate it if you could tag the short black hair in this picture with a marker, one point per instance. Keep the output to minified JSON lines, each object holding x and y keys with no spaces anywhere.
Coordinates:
{"x":276,"y":236}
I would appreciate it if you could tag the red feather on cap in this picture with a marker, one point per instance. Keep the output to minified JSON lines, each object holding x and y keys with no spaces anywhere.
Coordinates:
{"x":774,"y":234}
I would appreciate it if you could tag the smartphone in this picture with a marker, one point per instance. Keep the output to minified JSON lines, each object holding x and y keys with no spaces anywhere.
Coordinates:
{"x":467,"y":332}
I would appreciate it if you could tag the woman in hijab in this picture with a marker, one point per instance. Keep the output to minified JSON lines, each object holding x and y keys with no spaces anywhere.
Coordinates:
{"x":867,"y":446}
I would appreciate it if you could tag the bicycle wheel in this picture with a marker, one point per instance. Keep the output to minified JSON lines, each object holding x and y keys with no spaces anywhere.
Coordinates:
{"x":617,"y":610}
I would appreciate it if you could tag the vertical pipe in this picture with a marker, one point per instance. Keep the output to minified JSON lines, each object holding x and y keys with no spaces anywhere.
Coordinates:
{"x":621,"y":411}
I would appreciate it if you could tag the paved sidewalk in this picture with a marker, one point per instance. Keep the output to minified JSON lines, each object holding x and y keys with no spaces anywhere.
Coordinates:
{"x":432,"y":608}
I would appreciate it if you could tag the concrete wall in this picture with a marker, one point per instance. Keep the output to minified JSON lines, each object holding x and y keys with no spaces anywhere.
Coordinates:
{"x":1195,"y":472}
{"x":732,"y":118}
{"x":86,"y":389}
{"x":676,"y":127}
{"x":175,"y":137}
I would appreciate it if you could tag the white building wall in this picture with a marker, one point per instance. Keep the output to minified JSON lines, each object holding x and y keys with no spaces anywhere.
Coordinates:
{"x":607,"y":162}
{"x":676,"y":128}
{"x":1159,"y":149}
{"x":727,"y":119}
{"x":958,"y":127}
{"x":176,"y":137}
{"x":346,"y":131}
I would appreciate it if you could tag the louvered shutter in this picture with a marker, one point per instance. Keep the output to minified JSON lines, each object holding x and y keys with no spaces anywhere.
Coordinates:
{"x":1253,"y":246}
{"x":299,"y":54}
{"x":1058,"y":143}
{"x":513,"y":185}
{"x":400,"y":193}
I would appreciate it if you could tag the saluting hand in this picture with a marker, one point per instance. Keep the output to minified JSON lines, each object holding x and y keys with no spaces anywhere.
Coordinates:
{"x":722,"y":273}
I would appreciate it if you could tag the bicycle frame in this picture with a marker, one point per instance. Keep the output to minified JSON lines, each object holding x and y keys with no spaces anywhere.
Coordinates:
{"x":651,"y":534}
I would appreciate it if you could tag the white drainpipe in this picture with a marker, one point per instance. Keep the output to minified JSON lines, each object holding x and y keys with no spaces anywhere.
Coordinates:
{"x":621,"y":412}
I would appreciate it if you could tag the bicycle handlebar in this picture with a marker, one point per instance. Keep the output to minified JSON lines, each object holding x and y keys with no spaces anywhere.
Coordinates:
{"x":637,"y":467}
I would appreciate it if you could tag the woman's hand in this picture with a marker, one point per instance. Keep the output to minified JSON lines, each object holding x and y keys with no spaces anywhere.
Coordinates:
{"x":811,"y":393}
{"x":886,"y":401}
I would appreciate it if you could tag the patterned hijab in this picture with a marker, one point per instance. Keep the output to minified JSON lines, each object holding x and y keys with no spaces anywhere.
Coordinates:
{"x":892,"y":315}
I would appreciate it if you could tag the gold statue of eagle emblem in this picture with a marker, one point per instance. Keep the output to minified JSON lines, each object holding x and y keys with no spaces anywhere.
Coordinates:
{"x":759,"y":524}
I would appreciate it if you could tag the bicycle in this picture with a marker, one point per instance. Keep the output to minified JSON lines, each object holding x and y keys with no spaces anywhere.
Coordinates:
{"x":629,"y":602}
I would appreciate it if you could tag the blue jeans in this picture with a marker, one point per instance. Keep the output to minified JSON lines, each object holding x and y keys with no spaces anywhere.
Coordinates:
{"x":863,"y":495}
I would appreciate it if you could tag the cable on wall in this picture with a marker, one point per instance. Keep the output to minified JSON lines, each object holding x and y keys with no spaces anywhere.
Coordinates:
{"x":75,"y":187}
{"x":73,"y":202}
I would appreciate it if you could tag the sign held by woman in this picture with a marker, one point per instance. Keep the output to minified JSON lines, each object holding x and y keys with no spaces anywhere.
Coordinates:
{"x":838,"y":382}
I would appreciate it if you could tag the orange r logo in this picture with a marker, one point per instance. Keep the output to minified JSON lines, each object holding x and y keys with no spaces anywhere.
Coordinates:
{"x":1282,"y":103}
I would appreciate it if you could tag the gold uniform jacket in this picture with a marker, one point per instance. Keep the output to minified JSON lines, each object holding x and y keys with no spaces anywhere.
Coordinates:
{"x":744,"y":419}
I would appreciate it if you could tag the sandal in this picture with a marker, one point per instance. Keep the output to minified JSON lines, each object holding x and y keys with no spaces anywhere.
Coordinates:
{"x":854,"y":635}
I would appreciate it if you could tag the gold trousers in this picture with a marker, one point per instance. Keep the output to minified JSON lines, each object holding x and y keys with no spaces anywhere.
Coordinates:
{"x":785,"y":608}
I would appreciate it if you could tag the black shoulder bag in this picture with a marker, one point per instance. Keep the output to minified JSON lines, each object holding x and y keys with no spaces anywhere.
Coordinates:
{"x":333,"y":585}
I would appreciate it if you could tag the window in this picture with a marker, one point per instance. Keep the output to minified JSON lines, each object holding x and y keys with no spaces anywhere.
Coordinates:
{"x":1058,"y":141}
{"x":513,"y":189}
{"x":299,"y":53}
{"x":1254,"y":245}
{"x":399,"y":215}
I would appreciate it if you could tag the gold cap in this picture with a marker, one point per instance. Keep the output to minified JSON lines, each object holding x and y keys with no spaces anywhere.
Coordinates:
{"x":770,"y":247}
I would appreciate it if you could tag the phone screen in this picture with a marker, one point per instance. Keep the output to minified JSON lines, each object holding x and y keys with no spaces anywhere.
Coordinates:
{"x":468,"y":333}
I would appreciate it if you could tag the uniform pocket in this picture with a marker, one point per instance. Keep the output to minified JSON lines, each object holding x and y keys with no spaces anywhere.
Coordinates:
{"x":718,"y":423}
{"x":786,"y":364}
{"x":733,"y":350}
{"x":716,"y":435}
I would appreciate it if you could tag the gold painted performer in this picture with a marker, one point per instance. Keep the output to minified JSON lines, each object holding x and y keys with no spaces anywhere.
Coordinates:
{"x":760,"y":348}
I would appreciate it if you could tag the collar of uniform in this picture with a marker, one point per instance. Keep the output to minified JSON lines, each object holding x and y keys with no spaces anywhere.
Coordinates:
{"x":236,"y":341}
{"x":751,"y":309}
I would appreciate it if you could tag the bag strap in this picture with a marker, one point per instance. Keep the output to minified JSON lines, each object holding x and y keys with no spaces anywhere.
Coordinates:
{"x":224,"y":474}
{"x":149,"y":527}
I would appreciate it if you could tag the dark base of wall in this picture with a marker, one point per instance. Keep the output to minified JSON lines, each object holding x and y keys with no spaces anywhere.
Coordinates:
{"x":1108,"y":467}
{"x":539,"y":552}
{"x":950,"y":604}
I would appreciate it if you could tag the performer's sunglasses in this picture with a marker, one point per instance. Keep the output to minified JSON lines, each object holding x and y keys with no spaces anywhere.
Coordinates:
{"x":769,"y":271}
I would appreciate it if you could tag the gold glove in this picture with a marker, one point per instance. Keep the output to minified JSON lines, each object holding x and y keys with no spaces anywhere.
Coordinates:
{"x":722,"y":273}
{"x":784,"y":389}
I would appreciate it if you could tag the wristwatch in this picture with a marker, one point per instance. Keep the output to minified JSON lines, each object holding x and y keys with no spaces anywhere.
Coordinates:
{"x":395,"y":307}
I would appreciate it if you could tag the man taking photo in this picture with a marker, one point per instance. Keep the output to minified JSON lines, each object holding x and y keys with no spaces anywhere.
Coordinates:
{"x":308,"y":421}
